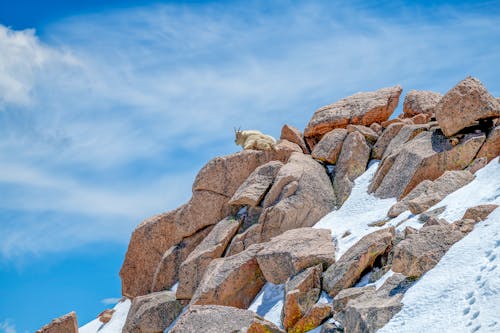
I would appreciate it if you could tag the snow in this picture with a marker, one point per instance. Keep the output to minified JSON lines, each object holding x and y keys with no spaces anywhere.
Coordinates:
{"x":114,"y":325}
{"x":355,"y":215}
{"x":462,"y":293}
{"x":269,"y":303}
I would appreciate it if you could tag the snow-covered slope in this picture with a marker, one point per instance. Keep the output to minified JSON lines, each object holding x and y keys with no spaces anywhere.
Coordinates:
{"x":115,"y":325}
{"x":462,"y":293}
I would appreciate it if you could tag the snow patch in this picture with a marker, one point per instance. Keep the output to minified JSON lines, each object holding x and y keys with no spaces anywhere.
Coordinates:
{"x":269,"y":303}
{"x":116,"y":323}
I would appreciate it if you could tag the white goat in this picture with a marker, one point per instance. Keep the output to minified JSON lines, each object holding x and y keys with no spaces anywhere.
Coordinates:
{"x":252,"y":139}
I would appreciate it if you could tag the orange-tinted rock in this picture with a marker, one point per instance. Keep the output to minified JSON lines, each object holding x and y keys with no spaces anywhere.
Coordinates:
{"x":167,"y":271}
{"x":328,"y":148}
{"x":420,"y":102}
{"x":231,"y":281}
{"x":352,"y":162}
{"x":362,"y":255}
{"x":420,"y":119}
{"x":222,"y":319}
{"x":67,"y":324}
{"x":491,"y":147}
{"x":465,"y":103}
{"x":294,"y":250}
{"x":193,"y":268}
{"x":106,"y":315}
{"x":389,"y":122}
{"x":301,"y":195}
{"x":312,"y":319}
{"x":253,"y":189}
{"x":294,"y":135}
{"x":363,"y":108}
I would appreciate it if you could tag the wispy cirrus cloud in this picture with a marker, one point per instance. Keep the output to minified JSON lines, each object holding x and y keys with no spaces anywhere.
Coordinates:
{"x":107,"y":117}
{"x":7,"y":327}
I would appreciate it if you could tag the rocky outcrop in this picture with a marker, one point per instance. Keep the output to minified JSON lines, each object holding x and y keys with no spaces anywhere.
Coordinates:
{"x":255,"y":187}
{"x":417,"y":102}
{"x":363,"y":108}
{"x":106,"y":315}
{"x":222,"y":319}
{"x":67,"y":324}
{"x":312,"y":319}
{"x":491,"y":147}
{"x":405,"y":134}
{"x":167,"y":271}
{"x":477,"y":164}
{"x":328,"y":148}
{"x":463,"y":105}
{"x":421,"y":251}
{"x":240,"y":242}
{"x":348,"y":269}
{"x":193,"y":268}
{"x":352,"y":162}
{"x":294,"y":250}
{"x":231,"y":281}
{"x":428,"y":193}
{"x":385,"y":138}
{"x":479,"y":213}
{"x":301,"y":293}
{"x":369,"y":134}
{"x":300,"y":196}
{"x":294,"y":135}
{"x":427,"y":156}
{"x":152,"y":313}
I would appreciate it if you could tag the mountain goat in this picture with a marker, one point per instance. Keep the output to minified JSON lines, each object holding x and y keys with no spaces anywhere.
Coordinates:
{"x":252,"y":139}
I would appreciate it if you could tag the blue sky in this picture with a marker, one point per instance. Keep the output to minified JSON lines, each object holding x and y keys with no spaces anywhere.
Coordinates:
{"x":108,"y":111}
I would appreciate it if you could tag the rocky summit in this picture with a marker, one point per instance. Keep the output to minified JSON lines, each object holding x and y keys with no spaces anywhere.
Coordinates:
{"x":330,"y":228}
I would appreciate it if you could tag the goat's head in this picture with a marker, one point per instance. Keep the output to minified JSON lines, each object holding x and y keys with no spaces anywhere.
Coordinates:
{"x":238,"y":136}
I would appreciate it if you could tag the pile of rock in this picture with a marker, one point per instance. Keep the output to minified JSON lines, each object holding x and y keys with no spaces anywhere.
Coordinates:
{"x":250,"y":217}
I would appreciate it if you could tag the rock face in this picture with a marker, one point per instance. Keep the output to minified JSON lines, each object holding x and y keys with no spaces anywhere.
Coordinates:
{"x":222,"y":319}
{"x":300,"y":196}
{"x":328,"y":148}
{"x":294,"y":135}
{"x":367,"y":132}
{"x":427,"y":156}
{"x":479,"y":213}
{"x":253,"y":189}
{"x":405,"y":134}
{"x":348,"y":269}
{"x":491,"y":147}
{"x":106,"y":315}
{"x":231,"y":281}
{"x":167,"y":271}
{"x":417,"y":102}
{"x":362,"y":108}
{"x":465,"y":103}
{"x":152,"y":313}
{"x":244,"y":240}
{"x":67,"y":324}
{"x":294,"y":250}
{"x":351,"y":164}
{"x":215,"y":184}
{"x":301,"y":293}
{"x":421,"y":251}
{"x":193,"y":268}
{"x":312,"y":319}
{"x":428,"y":193}
{"x":385,"y":138}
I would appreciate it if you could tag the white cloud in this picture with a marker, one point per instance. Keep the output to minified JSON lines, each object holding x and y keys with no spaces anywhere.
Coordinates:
{"x":7,"y":327}
{"x":107,"y":117}
{"x":111,"y":300}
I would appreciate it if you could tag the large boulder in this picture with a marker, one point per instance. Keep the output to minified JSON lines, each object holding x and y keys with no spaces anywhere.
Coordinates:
{"x":294,"y":135}
{"x":417,"y":102}
{"x":215,"y":184}
{"x":420,"y":252}
{"x":301,"y":293}
{"x":240,"y":242}
{"x":348,"y":269}
{"x":312,"y":319}
{"x":152,"y":313}
{"x":222,"y":319}
{"x":364,"y":108}
{"x":480,"y":212}
{"x":427,"y":156}
{"x":253,"y":189}
{"x":384,"y":139}
{"x":428,"y":193}
{"x":464,"y":104}
{"x":491,"y":147}
{"x":193,"y":268}
{"x":301,"y":195}
{"x":67,"y":324}
{"x":167,"y":271}
{"x":294,"y":250}
{"x":404,"y":135}
{"x":351,"y":164}
{"x":232,"y":281}
{"x":328,"y":148}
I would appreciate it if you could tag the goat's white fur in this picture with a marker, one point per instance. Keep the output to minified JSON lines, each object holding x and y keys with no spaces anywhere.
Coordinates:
{"x":252,"y":139}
